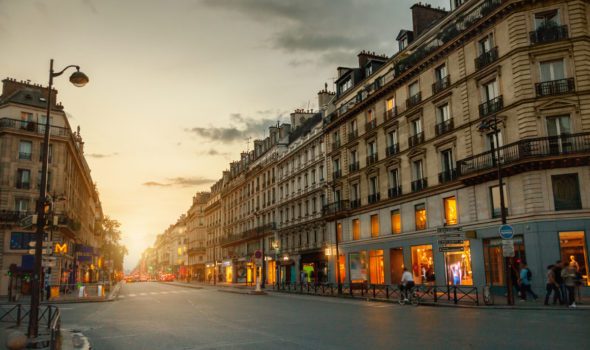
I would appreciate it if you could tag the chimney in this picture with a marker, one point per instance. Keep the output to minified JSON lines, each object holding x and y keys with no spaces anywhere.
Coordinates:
{"x":299,"y":117}
{"x":284,"y":130}
{"x":10,"y":86}
{"x":324,"y":97}
{"x":273,"y":131}
{"x":424,"y":16}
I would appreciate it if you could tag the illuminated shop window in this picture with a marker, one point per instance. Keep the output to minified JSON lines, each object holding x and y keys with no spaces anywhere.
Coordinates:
{"x":339,"y":231}
{"x":342,"y":267}
{"x":376,"y":266}
{"x":375,"y":225}
{"x":396,"y":222}
{"x":358,"y":267}
{"x":573,"y":251}
{"x":423,"y":264}
{"x":458,"y":266}
{"x":356,"y":229}
{"x":450,"y":210}
{"x":420,"y":213}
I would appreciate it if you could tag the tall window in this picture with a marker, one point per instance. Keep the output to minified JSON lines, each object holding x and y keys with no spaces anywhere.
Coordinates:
{"x":392,"y":138}
{"x":491,"y":141}
{"x":23,"y":179}
{"x":353,"y":157}
{"x":450,"y":204}
{"x":321,"y":173}
{"x":573,"y":250}
{"x":413,"y":89}
{"x":396,"y":222}
{"x":375,"y":225}
{"x":389,"y":104}
{"x":336,"y":165}
{"x":377,"y":275}
{"x":356,"y":229}
{"x":560,"y":128}
{"x":489,"y":91}
{"x":446,"y":158}
{"x":552,"y":70}
{"x":495,"y":199}
{"x":370,"y":116}
{"x":566,"y":192}
{"x":420,"y":215}
{"x":416,"y":126}
{"x":313,"y":178}
{"x":21,"y":204}
{"x":544,"y":18}
{"x":373,"y":185}
{"x":353,"y":127}
{"x":354,"y":191}
{"x":485,"y":44}
{"x":25,"y":149}
{"x":440,"y":72}
{"x":418,"y":169}
{"x":442,"y":113}
{"x":336,"y":138}
{"x":394,"y":182}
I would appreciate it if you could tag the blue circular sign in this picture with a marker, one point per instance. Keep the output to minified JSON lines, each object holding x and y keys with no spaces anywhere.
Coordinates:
{"x":506,"y":232}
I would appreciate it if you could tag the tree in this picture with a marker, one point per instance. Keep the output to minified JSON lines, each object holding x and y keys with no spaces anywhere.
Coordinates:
{"x":112,"y":249}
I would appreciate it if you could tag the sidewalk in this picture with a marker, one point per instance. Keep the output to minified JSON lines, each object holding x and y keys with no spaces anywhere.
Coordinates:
{"x":72,"y":298}
{"x":499,"y":302}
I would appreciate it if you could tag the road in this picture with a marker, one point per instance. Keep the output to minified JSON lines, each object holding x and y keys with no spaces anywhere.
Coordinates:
{"x":161,"y":316}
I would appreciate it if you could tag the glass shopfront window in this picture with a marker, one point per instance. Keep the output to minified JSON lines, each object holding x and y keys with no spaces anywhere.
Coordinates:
{"x":494,"y":260}
{"x":376,"y":267}
{"x":423,"y":264}
{"x":342,"y":267}
{"x":396,"y":264}
{"x":572,"y":248}
{"x":458,"y":266}
{"x":358,"y":267}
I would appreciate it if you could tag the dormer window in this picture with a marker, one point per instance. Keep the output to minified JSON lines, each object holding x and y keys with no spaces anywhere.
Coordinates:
{"x":346,"y":85}
{"x":368,"y":70}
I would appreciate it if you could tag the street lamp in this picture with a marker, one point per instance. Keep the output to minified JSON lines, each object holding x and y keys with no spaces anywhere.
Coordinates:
{"x":487,"y":124}
{"x":79,"y":79}
{"x":336,"y":205}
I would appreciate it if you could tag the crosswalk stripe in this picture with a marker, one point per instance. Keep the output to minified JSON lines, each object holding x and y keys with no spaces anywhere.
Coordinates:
{"x":142,"y":293}
{"x":121,"y":296}
{"x":132,"y":295}
{"x":152,"y":293}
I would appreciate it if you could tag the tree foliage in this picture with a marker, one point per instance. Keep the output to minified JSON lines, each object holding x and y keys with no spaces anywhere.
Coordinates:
{"x":112,"y":248}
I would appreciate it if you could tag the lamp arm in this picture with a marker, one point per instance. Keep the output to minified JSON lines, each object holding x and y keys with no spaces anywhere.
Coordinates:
{"x":63,"y":70}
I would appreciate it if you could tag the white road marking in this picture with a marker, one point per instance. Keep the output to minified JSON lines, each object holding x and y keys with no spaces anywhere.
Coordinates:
{"x":153,"y":293}
{"x":142,"y":294}
{"x":121,"y":296}
{"x":132,"y":295}
{"x":164,"y":292}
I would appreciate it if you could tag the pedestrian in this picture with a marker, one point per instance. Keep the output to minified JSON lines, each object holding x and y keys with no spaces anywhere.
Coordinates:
{"x":559,"y":280}
{"x":406,"y":283}
{"x":303,"y":275}
{"x":525,"y":282}
{"x":552,"y":286}
{"x":569,"y":280}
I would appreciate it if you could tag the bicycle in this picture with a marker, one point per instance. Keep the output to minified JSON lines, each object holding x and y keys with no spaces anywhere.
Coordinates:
{"x":412,"y":297}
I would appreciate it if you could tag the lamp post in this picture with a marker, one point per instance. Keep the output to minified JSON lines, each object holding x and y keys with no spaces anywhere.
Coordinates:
{"x":485,"y":125}
{"x":79,"y":79}
{"x":336,"y":204}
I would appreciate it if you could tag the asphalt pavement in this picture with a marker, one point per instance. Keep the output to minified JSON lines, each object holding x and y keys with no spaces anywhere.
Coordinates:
{"x":155,"y":315}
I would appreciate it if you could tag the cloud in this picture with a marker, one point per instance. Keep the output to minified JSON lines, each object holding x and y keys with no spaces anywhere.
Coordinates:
{"x":239,"y":128}
{"x":180,"y":182}
{"x":101,"y":155}
{"x":213,"y":152}
{"x":319,"y":28}
{"x":90,"y":5}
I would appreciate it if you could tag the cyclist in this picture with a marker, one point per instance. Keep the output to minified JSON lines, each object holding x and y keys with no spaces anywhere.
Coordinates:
{"x":407,"y":283}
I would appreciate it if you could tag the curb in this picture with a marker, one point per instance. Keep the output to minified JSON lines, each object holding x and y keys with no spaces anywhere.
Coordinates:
{"x":177,"y":284}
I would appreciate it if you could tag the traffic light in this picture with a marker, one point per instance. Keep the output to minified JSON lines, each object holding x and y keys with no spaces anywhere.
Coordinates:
{"x":47,"y":206}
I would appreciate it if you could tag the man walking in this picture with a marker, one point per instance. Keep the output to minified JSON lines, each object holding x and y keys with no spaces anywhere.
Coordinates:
{"x":525,"y":282}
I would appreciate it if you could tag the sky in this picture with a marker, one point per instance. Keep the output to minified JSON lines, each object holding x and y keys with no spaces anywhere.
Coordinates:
{"x":178,"y":86}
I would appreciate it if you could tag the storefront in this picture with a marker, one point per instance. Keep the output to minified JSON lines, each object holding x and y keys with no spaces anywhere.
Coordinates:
{"x":573,"y":250}
{"x":271,"y":270}
{"x":458,"y":266}
{"x":423,"y":264}
{"x":226,"y":274}
{"x":495,"y":263}
{"x":245,"y":271}
{"x":315,"y":267}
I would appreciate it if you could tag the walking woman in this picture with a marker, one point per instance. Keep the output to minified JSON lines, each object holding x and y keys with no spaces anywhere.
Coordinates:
{"x":569,"y":279}
{"x":552,"y":286}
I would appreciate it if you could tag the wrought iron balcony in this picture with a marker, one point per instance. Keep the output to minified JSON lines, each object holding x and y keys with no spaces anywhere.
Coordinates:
{"x":549,"y":33}
{"x":486,"y":58}
{"x":355,"y":203}
{"x":555,"y":87}
{"x":416,"y":139}
{"x":394,"y":192}
{"x":13,"y":216}
{"x":391,"y":113}
{"x":335,"y":145}
{"x":528,"y":154}
{"x":370,"y":125}
{"x":419,"y":185}
{"x":337,"y":174}
{"x":372,"y":158}
{"x":23,"y":185}
{"x":392,"y":149}
{"x":29,"y":126}
{"x":353,"y":135}
{"x":490,"y":107}
{"x":414,"y":100}
{"x":24,"y":155}
{"x":336,"y":208}
{"x":374,"y":198}
{"x":447,"y":175}
{"x":441,"y":84}
{"x":354,"y":166}
{"x":444,"y":127}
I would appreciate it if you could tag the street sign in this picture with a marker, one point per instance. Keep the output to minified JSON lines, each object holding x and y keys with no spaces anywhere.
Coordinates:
{"x":46,"y":251}
{"x":46,"y":244}
{"x":447,"y":249}
{"x":506,"y":231}
{"x":456,"y":235}
{"x":258,"y":254}
{"x":450,"y":241}
{"x":28,"y":221}
{"x":508,"y":248}
{"x":449,"y":229}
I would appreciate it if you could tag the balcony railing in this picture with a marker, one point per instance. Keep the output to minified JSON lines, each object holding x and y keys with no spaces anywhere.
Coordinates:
{"x":419,"y":185}
{"x":549,"y":33}
{"x":414,"y":100}
{"x":335,"y":145}
{"x":392,"y":149}
{"x":24,"y":155}
{"x":337,"y":174}
{"x":370,"y":125}
{"x":354,"y":166}
{"x":447,"y":175}
{"x":355,"y":203}
{"x":29,"y":126}
{"x":23,"y":185}
{"x":441,"y":84}
{"x":490,"y":107}
{"x":555,"y":87}
{"x":353,"y":135}
{"x":444,"y":127}
{"x":13,"y":216}
{"x":374,"y":198}
{"x":372,"y":158}
{"x":416,"y":139}
{"x":394,"y":192}
{"x":336,"y":207}
{"x":486,"y":58}
{"x":568,"y":144}
{"x":391,"y":113}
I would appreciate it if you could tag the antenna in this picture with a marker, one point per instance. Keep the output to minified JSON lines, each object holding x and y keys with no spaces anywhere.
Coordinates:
{"x":248,"y":139}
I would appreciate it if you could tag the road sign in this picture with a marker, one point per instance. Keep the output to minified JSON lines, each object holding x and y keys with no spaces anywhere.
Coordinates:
{"x":447,"y":249}
{"x":28,"y":221}
{"x":450,"y":241}
{"x":456,"y":235}
{"x":506,"y":231}
{"x":508,"y":248}
{"x":258,"y":254}
{"x":449,"y":229}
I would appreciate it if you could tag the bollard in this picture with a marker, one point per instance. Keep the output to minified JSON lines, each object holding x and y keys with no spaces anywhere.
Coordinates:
{"x":16,"y":340}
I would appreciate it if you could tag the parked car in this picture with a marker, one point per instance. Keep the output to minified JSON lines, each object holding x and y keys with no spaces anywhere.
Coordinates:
{"x":167,"y":277}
